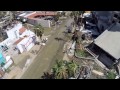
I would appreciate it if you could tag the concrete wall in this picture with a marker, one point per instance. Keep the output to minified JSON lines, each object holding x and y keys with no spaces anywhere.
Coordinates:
{"x":44,"y":23}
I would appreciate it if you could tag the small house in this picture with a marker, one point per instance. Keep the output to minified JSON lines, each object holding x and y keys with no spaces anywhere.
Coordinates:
{"x":106,"y":47}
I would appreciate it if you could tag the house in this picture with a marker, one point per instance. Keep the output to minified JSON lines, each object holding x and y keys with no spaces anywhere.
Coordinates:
{"x":37,"y":17}
{"x":25,"y":42}
{"x":106,"y":47}
{"x":11,"y":33}
{"x":15,"y":31}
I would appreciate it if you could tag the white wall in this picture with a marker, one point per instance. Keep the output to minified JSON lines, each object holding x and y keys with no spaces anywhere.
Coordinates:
{"x":19,"y":46}
{"x":27,"y":42}
{"x":11,"y":33}
{"x":44,"y":23}
{"x":6,"y":41}
{"x":30,"y":46}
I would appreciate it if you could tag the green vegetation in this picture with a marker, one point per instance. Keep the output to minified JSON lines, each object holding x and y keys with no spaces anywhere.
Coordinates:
{"x":81,"y":53}
{"x":60,"y":70}
{"x":72,"y":67}
{"x":63,"y":70}
{"x":111,"y":75}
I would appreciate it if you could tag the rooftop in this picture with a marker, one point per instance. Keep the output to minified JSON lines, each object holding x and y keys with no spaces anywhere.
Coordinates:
{"x":43,"y":13}
{"x":23,"y":29}
{"x":109,"y":41}
{"x":19,"y":40}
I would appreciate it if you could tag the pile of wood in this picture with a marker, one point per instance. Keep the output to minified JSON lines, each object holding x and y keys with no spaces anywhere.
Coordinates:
{"x":84,"y":72}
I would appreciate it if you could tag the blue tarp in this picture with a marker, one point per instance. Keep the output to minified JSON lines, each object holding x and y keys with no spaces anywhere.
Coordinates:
{"x":1,"y":56}
{"x":2,"y":59}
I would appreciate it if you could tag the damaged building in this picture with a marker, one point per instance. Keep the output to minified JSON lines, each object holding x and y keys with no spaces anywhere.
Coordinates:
{"x":106,"y":48}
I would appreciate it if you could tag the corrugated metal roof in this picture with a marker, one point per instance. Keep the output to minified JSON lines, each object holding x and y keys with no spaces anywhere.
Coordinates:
{"x":109,"y":41}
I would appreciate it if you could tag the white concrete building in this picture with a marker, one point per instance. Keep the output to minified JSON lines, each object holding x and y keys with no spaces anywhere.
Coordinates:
{"x":25,"y":42}
{"x":12,"y":33}
{"x":19,"y":36}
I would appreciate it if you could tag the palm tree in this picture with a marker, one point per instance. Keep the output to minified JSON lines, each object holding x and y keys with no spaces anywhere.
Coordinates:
{"x":72,"y":67}
{"x":64,"y":69}
{"x":39,"y":30}
{"x":47,"y":75}
{"x":60,"y":70}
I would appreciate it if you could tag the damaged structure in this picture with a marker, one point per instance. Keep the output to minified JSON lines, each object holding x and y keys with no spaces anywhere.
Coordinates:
{"x":106,"y":47}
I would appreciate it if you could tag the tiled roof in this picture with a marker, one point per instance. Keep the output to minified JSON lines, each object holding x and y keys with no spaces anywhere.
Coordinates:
{"x":21,"y":30}
{"x":42,"y":13}
{"x":19,"y":40}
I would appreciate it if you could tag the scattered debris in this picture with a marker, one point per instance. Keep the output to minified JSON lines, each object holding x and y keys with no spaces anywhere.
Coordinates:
{"x":98,"y":73}
{"x":84,"y":73}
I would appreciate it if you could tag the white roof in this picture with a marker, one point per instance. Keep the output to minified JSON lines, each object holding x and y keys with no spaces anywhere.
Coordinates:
{"x":109,"y":41}
{"x":23,"y":14}
{"x":28,"y":33}
{"x":26,"y":14}
{"x":7,"y":58}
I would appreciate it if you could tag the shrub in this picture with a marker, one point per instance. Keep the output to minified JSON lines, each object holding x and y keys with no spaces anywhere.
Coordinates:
{"x":81,"y":53}
{"x":111,"y":75}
